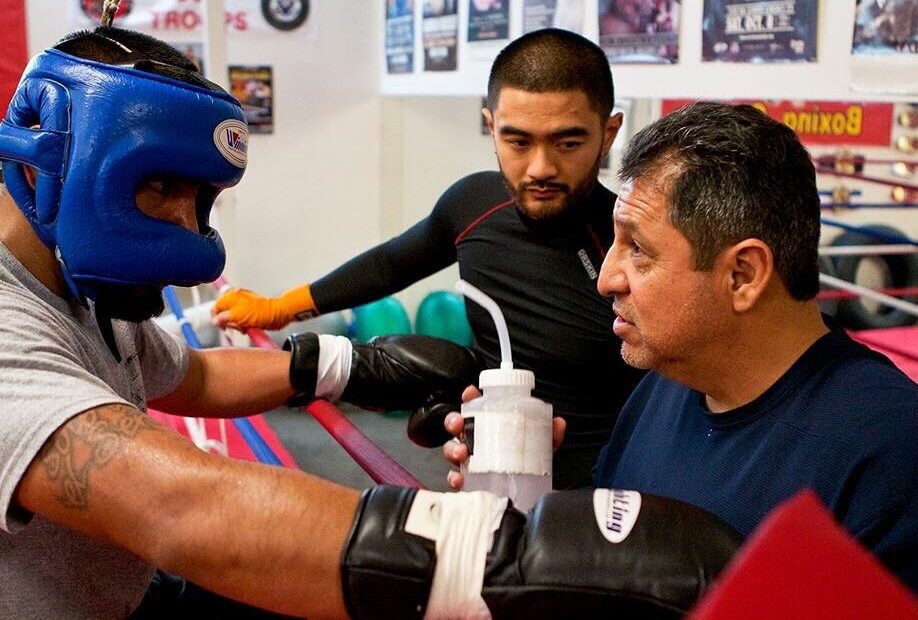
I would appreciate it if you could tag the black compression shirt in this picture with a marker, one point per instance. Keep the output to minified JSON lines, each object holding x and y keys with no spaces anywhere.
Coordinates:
{"x":543,"y":277}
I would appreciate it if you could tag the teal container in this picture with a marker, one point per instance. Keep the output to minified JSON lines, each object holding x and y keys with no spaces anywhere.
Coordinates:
{"x":442,"y":314}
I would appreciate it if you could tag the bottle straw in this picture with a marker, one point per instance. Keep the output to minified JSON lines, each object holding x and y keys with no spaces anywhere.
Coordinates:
{"x":506,"y":359}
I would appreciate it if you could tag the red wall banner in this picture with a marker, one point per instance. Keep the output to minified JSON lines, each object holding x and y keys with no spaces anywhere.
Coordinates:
{"x":13,"y":43}
{"x":823,"y":122}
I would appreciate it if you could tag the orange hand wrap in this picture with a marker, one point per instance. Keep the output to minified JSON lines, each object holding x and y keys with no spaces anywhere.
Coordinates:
{"x":245,"y":308}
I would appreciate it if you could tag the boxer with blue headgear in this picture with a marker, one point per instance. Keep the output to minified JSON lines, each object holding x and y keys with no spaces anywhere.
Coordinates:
{"x":94,"y":133}
{"x":112,"y":165}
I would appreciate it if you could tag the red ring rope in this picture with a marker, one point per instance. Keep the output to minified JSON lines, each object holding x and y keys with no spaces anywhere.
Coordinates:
{"x":907,"y":291}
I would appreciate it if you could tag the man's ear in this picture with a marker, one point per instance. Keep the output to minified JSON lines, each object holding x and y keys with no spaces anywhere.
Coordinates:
{"x":30,"y":175}
{"x":489,"y":120}
{"x":748,"y":268}
{"x":610,"y":131}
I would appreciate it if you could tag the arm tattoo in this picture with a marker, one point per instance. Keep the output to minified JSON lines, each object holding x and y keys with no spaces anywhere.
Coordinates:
{"x":86,"y":443}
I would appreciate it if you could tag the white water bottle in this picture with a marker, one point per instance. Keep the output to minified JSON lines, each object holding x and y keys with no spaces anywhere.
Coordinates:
{"x":507,"y":430}
{"x":508,"y":433}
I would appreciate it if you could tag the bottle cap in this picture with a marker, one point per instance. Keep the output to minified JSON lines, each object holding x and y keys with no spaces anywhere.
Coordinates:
{"x":506,"y":377}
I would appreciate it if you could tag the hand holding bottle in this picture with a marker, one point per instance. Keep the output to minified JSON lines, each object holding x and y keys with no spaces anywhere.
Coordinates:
{"x":457,"y":452}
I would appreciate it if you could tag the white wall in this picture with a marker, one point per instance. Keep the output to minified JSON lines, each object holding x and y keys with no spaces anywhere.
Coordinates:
{"x":311,"y":195}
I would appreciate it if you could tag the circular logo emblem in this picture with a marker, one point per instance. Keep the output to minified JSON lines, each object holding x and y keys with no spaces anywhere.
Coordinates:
{"x":285,"y":14}
{"x":93,"y":8}
{"x":232,"y":140}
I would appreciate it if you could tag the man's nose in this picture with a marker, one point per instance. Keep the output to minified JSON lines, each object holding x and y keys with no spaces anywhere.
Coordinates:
{"x":185,"y":213}
{"x":612,"y":280}
{"x":542,"y":165}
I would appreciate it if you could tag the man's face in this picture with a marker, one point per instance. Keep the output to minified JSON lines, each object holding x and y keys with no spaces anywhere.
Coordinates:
{"x":668,"y":315}
{"x":549,"y":146}
{"x":170,"y":200}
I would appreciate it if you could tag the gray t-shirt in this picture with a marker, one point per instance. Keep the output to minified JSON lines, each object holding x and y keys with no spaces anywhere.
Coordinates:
{"x":54,"y":365}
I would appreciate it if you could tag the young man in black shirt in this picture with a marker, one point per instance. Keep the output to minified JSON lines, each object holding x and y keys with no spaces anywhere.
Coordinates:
{"x":531,"y":236}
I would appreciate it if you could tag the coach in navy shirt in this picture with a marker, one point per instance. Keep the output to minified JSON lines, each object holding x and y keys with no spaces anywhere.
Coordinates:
{"x":754,"y":394}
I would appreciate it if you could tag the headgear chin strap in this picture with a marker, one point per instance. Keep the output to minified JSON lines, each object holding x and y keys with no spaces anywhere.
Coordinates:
{"x":103,"y":130}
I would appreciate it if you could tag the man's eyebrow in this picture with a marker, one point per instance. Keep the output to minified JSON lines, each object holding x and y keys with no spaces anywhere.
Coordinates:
{"x":624,"y":221}
{"x":514,"y":131}
{"x":569,"y":132}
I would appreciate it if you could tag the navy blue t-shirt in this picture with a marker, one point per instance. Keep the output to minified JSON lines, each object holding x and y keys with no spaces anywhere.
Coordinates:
{"x":842,"y":421}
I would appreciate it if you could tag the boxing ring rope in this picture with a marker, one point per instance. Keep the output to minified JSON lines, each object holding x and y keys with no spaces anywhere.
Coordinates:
{"x":863,"y":250}
{"x":886,"y":300}
{"x":381,"y":467}
{"x":869,"y":232}
{"x":861,"y":177}
{"x":256,"y":443}
{"x":898,"y":244}
{"x":833,"y":206}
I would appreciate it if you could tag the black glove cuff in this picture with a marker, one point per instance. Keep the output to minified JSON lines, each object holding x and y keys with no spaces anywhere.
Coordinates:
{"x":386,"y":572}
{"x":304,"y":367}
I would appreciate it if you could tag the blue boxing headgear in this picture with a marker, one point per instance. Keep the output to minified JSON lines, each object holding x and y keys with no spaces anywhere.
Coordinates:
{"x":103,"y":130}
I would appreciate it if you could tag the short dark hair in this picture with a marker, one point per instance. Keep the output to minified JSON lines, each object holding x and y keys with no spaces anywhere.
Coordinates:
{"x":553,"y":60}
{"x":731,"y":173}
{"x":115,"y":46}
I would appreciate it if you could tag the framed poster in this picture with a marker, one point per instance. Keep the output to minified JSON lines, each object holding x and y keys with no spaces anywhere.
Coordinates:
{"x":440,"y":27}
{"x":639,"y":31}
{"x":253,"y":86}
{"x":885,"y":27}
{"x":399,"y":36}
{"x":489,"y":20}
{"x":759,"y":31}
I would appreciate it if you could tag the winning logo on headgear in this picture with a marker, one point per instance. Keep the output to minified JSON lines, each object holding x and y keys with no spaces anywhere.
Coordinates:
{"x":231,"y":138}
{"x":93,"y":8}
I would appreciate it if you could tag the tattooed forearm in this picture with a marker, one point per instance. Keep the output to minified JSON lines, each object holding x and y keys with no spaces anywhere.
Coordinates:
{"x":87,"y":443}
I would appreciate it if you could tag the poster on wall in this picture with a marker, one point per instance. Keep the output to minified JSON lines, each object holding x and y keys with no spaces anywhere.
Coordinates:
{"x":885,"y":47}
{"x":172,"y":19}
{"x":566,"y":14}
{"x":253,"y":86}
{"x":399,"y":36}
{"x":822,"y":122}
{"x":639,"y":31}
{"x":489,"y":20}
{"x":440,"y":27}
{"x":889,"y":27}
{"x":759,"y":31}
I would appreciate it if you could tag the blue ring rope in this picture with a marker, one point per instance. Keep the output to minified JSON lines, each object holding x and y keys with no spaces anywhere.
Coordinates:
{"x":870,"y":232}
{"x":253,"y":439}
{"x":868,"y":205}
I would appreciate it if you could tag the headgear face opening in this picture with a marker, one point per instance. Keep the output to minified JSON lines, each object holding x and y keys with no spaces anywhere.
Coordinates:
{"x":102,"y":131}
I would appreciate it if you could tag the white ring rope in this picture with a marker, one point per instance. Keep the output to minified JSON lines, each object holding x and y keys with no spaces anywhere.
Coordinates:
{"x":846,"y":250}
{"x":886,"y":300}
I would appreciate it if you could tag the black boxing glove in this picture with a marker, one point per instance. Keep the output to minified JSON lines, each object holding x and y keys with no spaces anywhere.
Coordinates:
{"x":387,"y":373}
{"x":606,"y":553}
{"x":425,"y":424}
{"x":598,"y":554}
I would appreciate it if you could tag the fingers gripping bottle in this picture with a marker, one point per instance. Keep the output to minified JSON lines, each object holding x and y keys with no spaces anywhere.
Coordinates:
{"x":507,"y":430}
